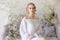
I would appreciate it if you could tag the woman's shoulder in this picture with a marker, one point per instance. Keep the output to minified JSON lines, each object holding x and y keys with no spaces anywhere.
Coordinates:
{"x":23,"y":19}
{"x":37,"y":17}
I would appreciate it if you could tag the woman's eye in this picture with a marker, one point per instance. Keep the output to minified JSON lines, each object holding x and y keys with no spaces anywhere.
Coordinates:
{"x":30,"y":8}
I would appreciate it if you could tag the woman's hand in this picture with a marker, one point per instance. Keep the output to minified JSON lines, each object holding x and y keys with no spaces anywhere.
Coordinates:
{"x":31,"y":36}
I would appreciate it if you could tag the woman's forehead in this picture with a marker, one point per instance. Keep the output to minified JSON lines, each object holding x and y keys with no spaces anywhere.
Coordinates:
{"x":31,"y":6}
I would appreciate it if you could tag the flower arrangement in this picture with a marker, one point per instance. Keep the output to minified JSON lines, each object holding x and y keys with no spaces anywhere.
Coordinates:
{"x":51,"y":18}
{"x":14,"y":22}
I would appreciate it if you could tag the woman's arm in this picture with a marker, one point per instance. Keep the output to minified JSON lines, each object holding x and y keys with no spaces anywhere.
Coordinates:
{"x":23,"y":29}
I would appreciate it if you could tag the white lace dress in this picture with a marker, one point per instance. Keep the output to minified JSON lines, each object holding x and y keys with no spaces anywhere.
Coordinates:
{"x":30,"y":27}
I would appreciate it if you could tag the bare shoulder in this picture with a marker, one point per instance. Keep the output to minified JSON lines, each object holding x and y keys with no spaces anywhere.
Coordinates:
{"x":25,"y":17}
{"x":36,"y":17}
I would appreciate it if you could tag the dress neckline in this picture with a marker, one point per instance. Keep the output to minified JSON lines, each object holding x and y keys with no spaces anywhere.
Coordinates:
{"x":30,"y":19}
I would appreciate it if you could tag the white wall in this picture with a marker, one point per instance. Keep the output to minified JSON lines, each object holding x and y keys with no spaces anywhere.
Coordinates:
{"x":4,"y":12}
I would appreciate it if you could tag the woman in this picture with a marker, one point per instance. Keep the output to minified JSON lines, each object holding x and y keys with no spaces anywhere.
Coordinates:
{"x":30,"y":25}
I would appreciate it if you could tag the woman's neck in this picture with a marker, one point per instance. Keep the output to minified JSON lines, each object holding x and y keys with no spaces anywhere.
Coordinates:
{"x":31,"y":15}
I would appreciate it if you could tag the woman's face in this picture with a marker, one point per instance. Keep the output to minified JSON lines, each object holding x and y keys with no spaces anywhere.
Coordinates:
{"x":31,"y":9}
